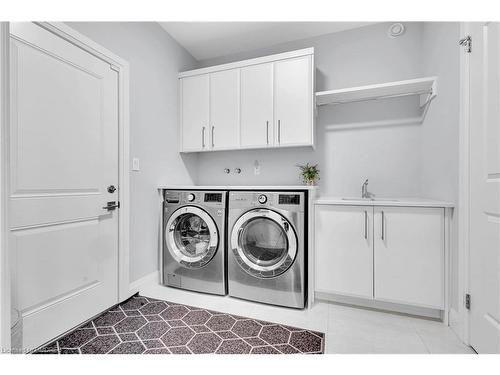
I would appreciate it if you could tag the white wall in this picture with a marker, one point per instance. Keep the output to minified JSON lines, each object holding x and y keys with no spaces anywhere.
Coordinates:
{"x":155,"y":60}
{"x":440,"y":131}
{"x":390,"y":156}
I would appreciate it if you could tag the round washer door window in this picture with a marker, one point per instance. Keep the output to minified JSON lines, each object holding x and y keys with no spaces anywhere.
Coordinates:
{"x":264,"y":243}
{"x":191,"y":237}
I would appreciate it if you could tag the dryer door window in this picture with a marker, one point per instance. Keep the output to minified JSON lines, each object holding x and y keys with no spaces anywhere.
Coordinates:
{"x":191,"y":237}
{"x":264,"y":243}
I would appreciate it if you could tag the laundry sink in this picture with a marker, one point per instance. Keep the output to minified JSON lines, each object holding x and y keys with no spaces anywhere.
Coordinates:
{"x":370,"y":199}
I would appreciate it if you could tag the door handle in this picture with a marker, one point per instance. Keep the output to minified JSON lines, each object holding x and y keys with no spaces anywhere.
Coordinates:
{"x":213,"y":142}
{"x":279,"y":131}
{"x":111,"y":206}
{"x":366,"y":225}
{"x":203,"y":137}
{"x":383,"y":226}
{"x":267,"y":132}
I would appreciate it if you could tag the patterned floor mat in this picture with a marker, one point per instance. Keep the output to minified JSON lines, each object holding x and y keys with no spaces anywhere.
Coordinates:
{"x":143,"y":325}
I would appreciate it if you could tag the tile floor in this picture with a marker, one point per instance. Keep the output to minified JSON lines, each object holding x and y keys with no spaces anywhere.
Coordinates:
{"x":347,"y":329}
{"x":143,"y":325}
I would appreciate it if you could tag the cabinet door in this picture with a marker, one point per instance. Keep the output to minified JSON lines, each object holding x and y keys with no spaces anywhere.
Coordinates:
{"x":224,"y":109}
{"x":343,"y":250}
{"x":409,"y":255}
{"x":195,"y":112}
{"x":257,"y":106}
{"x":293,"y":101}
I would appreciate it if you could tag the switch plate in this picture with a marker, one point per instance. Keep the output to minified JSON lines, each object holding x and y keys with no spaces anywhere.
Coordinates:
{"x":135,"y":164}
{"x":256,"y":168}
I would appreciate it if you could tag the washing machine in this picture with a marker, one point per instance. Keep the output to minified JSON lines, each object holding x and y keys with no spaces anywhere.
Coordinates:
{"x":267,"y":247}
{"x":193,"y":240}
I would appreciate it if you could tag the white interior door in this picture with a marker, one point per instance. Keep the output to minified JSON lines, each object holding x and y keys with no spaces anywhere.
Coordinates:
{"x":484,"y":284}
{"x":64,"y":155}
{"x":257,"y":105}
{"x":224,"y":109}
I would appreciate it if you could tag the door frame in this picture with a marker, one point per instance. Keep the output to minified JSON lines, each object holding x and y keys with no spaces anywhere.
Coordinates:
{"x":461,"y":325}
{"x":122,"y":67}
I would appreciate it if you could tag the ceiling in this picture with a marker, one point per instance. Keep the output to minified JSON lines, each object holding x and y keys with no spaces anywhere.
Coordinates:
{"x":207,"y":40}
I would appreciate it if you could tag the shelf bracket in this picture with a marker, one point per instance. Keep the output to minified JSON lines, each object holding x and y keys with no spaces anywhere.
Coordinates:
{"x":426,"y":99}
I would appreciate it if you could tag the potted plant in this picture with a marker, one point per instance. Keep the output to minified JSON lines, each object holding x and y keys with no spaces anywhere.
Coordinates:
{"x":309,"y":174}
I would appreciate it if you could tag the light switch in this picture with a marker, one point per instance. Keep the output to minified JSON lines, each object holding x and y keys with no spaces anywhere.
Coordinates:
{"x":256,"y":167}
{"x":135,"y":164}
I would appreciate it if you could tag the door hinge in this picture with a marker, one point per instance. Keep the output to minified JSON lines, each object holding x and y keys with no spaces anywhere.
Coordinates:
{"x":466,"y":43}
{"x":467,"y":301}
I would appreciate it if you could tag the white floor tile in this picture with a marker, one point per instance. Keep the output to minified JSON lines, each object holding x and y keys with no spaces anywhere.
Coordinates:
{"x":347,"y":329}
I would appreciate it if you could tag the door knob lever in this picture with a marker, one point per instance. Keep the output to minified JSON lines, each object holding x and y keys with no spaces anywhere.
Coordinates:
{"x":111,"y":206}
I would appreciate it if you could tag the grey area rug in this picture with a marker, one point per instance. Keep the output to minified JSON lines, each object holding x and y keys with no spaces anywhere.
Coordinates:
{"x":143,"y":325}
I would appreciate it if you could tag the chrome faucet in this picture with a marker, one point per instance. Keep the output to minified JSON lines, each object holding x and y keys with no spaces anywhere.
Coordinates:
{"x":365,"y":194}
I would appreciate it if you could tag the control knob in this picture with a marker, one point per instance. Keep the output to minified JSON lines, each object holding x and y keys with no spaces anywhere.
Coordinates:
{"x":262,"y":199}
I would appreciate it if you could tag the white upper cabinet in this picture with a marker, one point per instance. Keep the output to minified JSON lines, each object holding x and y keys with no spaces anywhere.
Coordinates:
{"x":257,"y":106}
{"x":194,"y":93}
{"x":293,"y":100}
{"x":258,"y":103}
{"x":224,"y":109}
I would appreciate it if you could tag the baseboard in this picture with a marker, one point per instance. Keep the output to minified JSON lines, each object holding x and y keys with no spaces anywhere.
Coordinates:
{"x":456,"y":324}
{"x":151,"y":278}
{"x":380,"y":305}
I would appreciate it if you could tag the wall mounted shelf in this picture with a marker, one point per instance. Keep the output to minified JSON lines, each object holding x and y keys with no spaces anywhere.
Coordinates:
{"x":426,"y":88}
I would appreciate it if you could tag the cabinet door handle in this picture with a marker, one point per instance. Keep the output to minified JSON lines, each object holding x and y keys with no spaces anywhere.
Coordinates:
{"x":203,"y":137}
{"x":366,"y":225}
{"x":267,"y":132}
{"x":383,"y":226}
{"x":279,"y":131}
{"x":213,"y":142}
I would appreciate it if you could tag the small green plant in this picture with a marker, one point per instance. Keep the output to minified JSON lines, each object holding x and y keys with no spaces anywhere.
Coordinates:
{"x":309,"y":173}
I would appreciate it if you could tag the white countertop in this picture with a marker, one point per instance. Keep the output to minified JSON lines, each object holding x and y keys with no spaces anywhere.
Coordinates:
{"x":233,"y":187}
{"x":397,"y":202}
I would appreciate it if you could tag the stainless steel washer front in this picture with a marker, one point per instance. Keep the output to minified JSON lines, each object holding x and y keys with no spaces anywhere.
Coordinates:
{"x":191,"y":236}
{"x":267,"y":247}
{"x":194,"y":254}
{"x":264,"y":243}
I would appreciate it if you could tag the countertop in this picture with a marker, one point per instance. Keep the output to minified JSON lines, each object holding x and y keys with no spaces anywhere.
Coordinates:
{"x":396,"y":202}
{"x":232,"y":187}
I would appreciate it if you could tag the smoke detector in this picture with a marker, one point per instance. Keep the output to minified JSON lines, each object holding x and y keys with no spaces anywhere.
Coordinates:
{"x":395,"y":30}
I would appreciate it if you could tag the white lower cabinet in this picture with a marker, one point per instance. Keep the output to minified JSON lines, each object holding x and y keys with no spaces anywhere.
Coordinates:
{"x":409,"y":255}
{"x":386,"y":254}
{"x":344,"y":260}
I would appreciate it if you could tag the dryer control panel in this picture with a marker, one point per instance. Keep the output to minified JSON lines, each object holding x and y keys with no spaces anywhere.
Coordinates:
{"x":204,"y":198}
{"x":290,"y":201}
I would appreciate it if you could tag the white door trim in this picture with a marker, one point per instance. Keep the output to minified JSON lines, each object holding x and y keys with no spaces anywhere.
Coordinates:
{"x":4,"y":147}
{"x":123,"y":70}
{"x":462,"y":327}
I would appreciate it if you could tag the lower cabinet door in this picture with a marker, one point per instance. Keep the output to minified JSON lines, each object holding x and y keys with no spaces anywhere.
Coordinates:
{"x":409,"y":255}
{"x":344,"y":251}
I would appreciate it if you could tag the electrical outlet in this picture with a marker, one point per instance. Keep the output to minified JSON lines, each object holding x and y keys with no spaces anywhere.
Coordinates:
{"x":135,"y":164}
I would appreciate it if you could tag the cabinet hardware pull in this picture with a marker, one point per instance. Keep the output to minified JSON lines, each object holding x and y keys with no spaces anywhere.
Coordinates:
{"x":203,"y":137}
{"x":383,"y":226}
{"x":279,"y":131}
{"x":366,"y":225}
{"x":213,"y":142}
{"x":267,"y":132}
